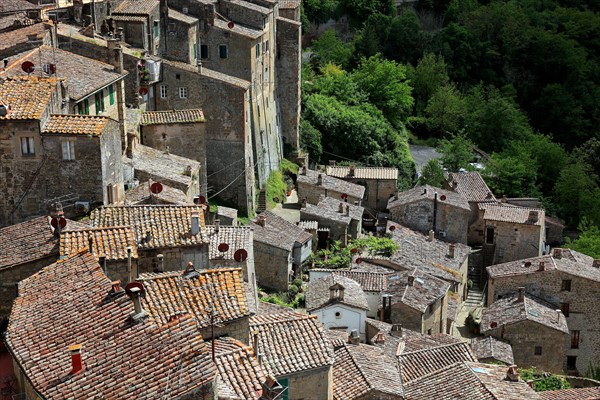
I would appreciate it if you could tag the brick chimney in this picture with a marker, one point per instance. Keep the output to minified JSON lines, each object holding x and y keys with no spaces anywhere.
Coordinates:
{"x":451,"y":250}
{"x":380,"y":338}
{"x":347,"y":211}
{"x":341,"y":208}
{"x":542,"y":266}
{"x":195,"y":223}
{"x":261,"y":220}
{"x":431,"y":236}
{"x":116,"y":287}
{"x":320,"y":179}
{"x":76,"y":360}
{"x":512,"y":374}
{"x":521,"y":293}
{"x":396,"y":330}
{"x":411,"y":280}
{"x":354,"y":337}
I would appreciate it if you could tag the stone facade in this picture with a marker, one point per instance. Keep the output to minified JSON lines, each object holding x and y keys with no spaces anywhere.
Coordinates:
{"x":514,"y":241}
{"x":432,"y":321}
{"x":312,"y":384}
{"x":273,"y":266}
{"x":380,"y":183}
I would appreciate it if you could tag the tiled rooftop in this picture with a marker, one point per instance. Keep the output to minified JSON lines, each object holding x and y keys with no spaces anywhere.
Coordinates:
{"x":471,"y":185}
{"x":492,"y":348}
{"x":129,"y":18}
{"x":339,"y":186}
{"x":239,"y":29}
{"x":27,"y":98}
{"x":15,"y":37}
{"x":428,"y":192}
{"x":236,"y":237}
{"x":509,"y":310}
{"x":11,"y":6}
{"x":514,"y":214}
{"x":591,"y":393}
{"x":251,"y":6}
{"x":288,"y":4}
{"x":172,"y":117}
{"x":142,"y":7}
{"x":155,"y":226}
{"x":570,"y":262}
{"x":318,"y":294}
{"x":240,"y":375}
{"x":84,"y":75}
{"x":425,"y":289}
{"x":291,"y":343}
{"x":163,"y":165}
{"x":469,"y":380}
{"x":308,"y":225}
{"x":170,"y":293}
{"x":185,"y":18}
{"x":74,"y":125}
{"x":361,"y":370}
{"x":69,"y":303}
{"x":278,"y":232}
{"x":363,"y":172}
{"x":368,"y":281}
{"x":415,"y":341}
{"x":418,"y":363}
{"x":29,"y":241}
{"x":142,"y":195}
{"x":111,"y":243}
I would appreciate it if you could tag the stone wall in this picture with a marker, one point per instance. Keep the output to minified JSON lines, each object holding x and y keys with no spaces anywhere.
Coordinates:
{"x":238,"y":329}
{"x":435,"y":317}
{"x":313,"y":384}
{"x":408,"y":317}
{"x":516,"y":241}
{"x":312,"y":193}
{"x":525,"y":336}
{"x":273,"y":266}
{"x":337,"y":229}
{"x":174,"y":258}
{"x":180,"y":42}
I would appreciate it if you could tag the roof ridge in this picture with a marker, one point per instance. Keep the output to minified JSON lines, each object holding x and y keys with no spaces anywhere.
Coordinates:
{"x":429,"y":374}
{"x":293,"y":316}
{"x":434,"y":348}
{"x":357,"y":364}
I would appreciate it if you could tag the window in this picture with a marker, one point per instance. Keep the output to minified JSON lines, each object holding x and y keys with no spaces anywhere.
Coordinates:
{"x":429,"y":331}
{"x":86,"y":107}
{"x":222,"y":51}
{"x":267,"y":46}
{"x":183,"y":93}
{"x":284,"y":382}
{"x":565,"y":285}
{"x":195,"y":49}
{"x":489,"y":235}
{"x":163,"y":91}
{"x":564,"y":307}
{"x":537,"y":350}
{"x":99,"y":101}
{"x":338,"y":315}
{"x":574,"y":339}
{"x":80,"y":108}
{"x":571,"y":362}
{"x":68,"y":149}
{"x":111,"y":94}
{"x":258,"y":50}
{"x":172,"y":27}
{"x":155,"y":28}
{"x":27,"y":146}
{"x":203,"y":51}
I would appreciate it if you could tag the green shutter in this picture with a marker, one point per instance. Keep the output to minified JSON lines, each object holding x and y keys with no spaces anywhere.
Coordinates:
{"x":155,"y":28}
{"x":86,"y":104}
{"x":111,"y":94}
{"x":97,"y":102}
{"x":102,"y":100}
{"x":195,"y":52}
{"x":284,"y":382}
{"x":80,"y":108}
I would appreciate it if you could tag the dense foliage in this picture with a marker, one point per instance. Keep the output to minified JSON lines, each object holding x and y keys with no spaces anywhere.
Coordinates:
{"x":543,"y":381}
{"x":338,"y":256}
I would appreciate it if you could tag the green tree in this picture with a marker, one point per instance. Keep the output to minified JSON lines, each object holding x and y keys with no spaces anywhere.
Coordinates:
{"x":577,"y":194}
{"x":359,"y":10}
{"x":589,"y":154}
{"x":446,"y":110}
{"x":319,"y":11}
{"x":426,"y":78}
{"x":406,"y":40}
{"x":310,"y":140}
{"x":432,"y":174}
{"x":588,"y":243}
{"x":457,"y":152}
{"x":511,"y":174}
{"x":330,"y":49}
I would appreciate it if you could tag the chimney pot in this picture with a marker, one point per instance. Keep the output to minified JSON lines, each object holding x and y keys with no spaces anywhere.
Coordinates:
{"x":320,"y":179}
{"x":542,"y":266}
{"x":451,"y":250}
{"x":195,"y":224}
{"x":396,"y":194}
{"x":431,"y":236}
{"x":411,"y":280}
{"x":217,"y":225}
{"x":396,"y":330}
{"x":512,"y":374}
{"x":380,"y":338}
{"x":558,"y":312}
{"x":341,"y":208}
{"x":347,"y":211}
{"x":332,"y":163}
{"x":521,"y":293}
{"x":76,"y":361}
{"x":354,"y":337}
{"x":351,"y":171}
{"x":557,"y":253}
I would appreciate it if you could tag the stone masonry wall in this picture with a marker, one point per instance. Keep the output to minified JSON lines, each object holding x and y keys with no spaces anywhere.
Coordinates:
{"x":314,"y":384}
{"x":408,"y":317}
{"x":238,"y":329}
{"x":273,"y":266}
{"x":516,"y":241}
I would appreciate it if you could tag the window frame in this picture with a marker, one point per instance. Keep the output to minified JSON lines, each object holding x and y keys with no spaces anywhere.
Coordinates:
{"x":565,"y":285}
{"x":67,"y":146}
{"x":29,"y":142}
{"x":564,"y":308}
{"x":537,"y":350}
{"x":223,"y":51}
{"x":575,"y":338}
{"x":204,"y":54}
{"x":111,"y":94}
{"x":183,"y":92}
{"x":163,"y":91}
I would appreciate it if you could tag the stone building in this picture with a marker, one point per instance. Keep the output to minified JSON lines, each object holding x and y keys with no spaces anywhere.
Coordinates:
{"x":339,"y":303}
{"x":296,"y":351}
{"x":142,"y":194}
{"x":492,"y":351}
{"x":535,"y":329}
{"x":312,"y":185}
{"x":280,"y":249}
{"x":167,"y":237}
{"x":426,"y":208}
{"x":380,"y":183}
{"x":180,"y":37}
{"x":215,"y":298}
{"x":25,"y":38}
{"x":25,"y":249}
{"x":139,"y":21}
{"x":343,"y":220}
{"x":416,"y":300}
{"x":90,"y":323}
{"x":114,"y":248}
{"x":17,"y":13}
{"x":568,"y":280}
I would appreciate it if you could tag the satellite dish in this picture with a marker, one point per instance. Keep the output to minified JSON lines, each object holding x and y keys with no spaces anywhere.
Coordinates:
{"x":443,"y":197}
{"x":58,"y":221}
{"x":392,"y":228}
{"x":358,"y":260}
{"x":134,"y":285}
{"x":28,"y":67}
{"x":230,"y":25}
{"x":240,"y":255}
{"x":223,"y":247}
{"x":156,"y":188}
{"x":353,"y":250}
{"x":143,"y":91}
{"x":344,"y":196}
{"x":202,"y":200}
{"x":494,"y":325}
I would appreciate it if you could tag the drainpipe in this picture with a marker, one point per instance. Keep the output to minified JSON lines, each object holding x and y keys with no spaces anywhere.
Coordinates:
{"x":435,"y":196}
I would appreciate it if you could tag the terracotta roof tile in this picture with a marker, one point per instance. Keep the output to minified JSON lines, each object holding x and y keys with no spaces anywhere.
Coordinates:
{"x":509,"y":310}
{"x":111,"y":243}
{"x":361,"y":370}
{"x":75,"y":125}
{"x":129,"y":18}
{"x":428,"y":192}
{"x":514,"y":214}
{"x":492,"y":348}
{"x":278,"y":232}
{"x":240,"y":375}
{"x":338,"y":186}
{"x":29,"y":241}
{"x":425,"y":289}
{"x":471,"y":185}
{"x":27,"y":98}
{"x":172,"y":117}
{"x":170,"y":293}
{"x":136,"y":7}
{"x":155,"y":226}
{"x":69,"y":303}
{"x":363,"y":172}
{"x":368,"y":281}
{"x":236,"y":237}
{"x":291,"y":343}
{"x":592,"y":393}
{"x":419,"y":363}
{"x":318,"y":293}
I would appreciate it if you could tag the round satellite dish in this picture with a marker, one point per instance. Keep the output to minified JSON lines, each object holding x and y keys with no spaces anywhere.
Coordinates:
{"x":134,"y":285}
{"x":230,"y":25}
{"x":494,"y":325}
{"x":443,"y":197}
{"x":240,"y":255}
{"x":358,"y":260}
{"x":143,"y":91}
{"x":344,"y":196}
{"x":202,"y":200}
{"x":156,"y":188}
{"x":223,"y":247}
{"x":393,"y":228}
{"x":28,"y":67}
{"x":353,"y":250}
{"x":58,"y":221}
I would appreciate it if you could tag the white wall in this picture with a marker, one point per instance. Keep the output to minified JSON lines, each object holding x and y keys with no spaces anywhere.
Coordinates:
{"x":349,"y":317}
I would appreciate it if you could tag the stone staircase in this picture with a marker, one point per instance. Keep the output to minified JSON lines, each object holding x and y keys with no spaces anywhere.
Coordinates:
{"x":475,"y":295}
{"x":262,"y":201}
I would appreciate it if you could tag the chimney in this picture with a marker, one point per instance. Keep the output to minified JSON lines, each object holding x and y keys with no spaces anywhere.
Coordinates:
{"x":396,"y":194}
{"x":533,"y":216}
{"x":76,"y":361}
{"x":255,"y":342}
{"x":596,"y":263}
{"x":431,"y":236}
{"x":129,"y":269}
{"x":303,"y":203}
{"x":161,"y":262}
{"x":116,"y":287}
{"x":115,"y":54}
{"x":351,"y":171}
{"x":347,"y":211}
{"x":521,"y":293}
{"x":557,"y":253}
{"x":530,"y":383}
{"x":136,"y":294}
{"x":380,"y":338}
{"x":396,"y":330}
{"x":91,"y":243}
{"x":503,"y":199}
{"x":332,"y":163}
{"x":512,"y":374}
{"x":354,"y":337}
{"x":558,"y":312}
{"x":261,"y":220}
{"x":411,"y":280}
{"x":217,"y":225}
{"x":336,"y":292}
{"x":303,"y":171}
{"x":341,"y":208}
{"x":542,"y":266}
{"x":451,"y":250}
{"x":320,"y":179}
{"x":195,"y":224}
